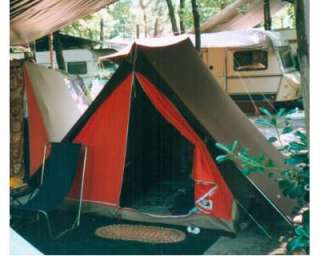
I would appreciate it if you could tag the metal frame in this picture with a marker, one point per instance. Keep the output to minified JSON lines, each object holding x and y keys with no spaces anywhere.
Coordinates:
{"x":76,"y":222}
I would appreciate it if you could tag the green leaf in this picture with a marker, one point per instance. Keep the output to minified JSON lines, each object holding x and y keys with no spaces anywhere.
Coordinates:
{"x":272,"y":139}
{"x":223,"y":147}
{"x":222,"y":158}
{"x":270,"y":164}
{"x":297,"y":243}
{"x":297,"y":146}
{"x":234,"y":146}
{"x":246,"y":172}
{"x":302,"y":136}
{"x":291,"y":111}
{"x":287,"y":130}
{"x":265,"y":111}
{"x":264,"y":122}
{"x":295,"y":159}
{"x":301,"y":231}
{"x":281,"y":112}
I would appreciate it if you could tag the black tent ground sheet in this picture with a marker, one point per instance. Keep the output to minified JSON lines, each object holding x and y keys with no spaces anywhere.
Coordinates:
{"x":84,"y":241}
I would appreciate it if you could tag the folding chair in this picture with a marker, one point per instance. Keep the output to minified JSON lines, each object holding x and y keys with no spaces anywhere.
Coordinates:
{"x":57,"y":175}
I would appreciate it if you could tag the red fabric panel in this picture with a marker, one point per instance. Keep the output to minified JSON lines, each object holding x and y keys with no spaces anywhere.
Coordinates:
{"x":105,"y":135}
{"x":38,"y":136}
{"x":205,"y":172}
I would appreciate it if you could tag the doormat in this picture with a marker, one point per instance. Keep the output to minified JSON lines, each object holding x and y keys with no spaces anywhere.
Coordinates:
{"x":141,"y":233}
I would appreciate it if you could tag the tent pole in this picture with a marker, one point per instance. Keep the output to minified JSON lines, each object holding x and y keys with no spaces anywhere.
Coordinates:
{"x":51,"y":49}
{"x":254,"y":220}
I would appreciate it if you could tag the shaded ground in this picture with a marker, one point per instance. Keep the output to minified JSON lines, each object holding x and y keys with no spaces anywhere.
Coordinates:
{"x":84,"y":241}
{"x":249,"y":241}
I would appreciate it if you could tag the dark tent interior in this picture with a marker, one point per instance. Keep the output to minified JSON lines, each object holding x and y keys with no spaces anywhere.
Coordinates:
{"x":157,"y":177}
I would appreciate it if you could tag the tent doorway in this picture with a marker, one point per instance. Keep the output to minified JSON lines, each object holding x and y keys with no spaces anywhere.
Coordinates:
{"x":157,"y":178}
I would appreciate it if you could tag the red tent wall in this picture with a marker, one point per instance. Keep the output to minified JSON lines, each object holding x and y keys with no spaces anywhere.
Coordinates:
{"x":38,"y":136}
{"x":205,"y":172}
{"x":105,"y":135}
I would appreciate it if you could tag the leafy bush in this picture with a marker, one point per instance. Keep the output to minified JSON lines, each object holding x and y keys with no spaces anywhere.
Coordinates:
{"x":292,"y":177}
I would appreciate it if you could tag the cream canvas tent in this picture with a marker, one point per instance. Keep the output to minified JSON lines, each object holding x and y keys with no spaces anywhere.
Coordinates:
{"x":163,"y":96}
{"x":51,"y":107}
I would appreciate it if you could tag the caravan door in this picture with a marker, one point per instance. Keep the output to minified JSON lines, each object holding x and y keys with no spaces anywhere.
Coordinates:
{"x":215,"y":58}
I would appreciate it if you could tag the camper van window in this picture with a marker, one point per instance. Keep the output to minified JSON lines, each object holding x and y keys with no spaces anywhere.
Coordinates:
{"x":286,"y":57}
{"x":250,"y":60}
{"x":77,"y":68}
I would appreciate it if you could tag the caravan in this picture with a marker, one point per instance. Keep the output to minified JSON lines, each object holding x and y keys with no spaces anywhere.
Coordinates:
{"x":254,"y":67}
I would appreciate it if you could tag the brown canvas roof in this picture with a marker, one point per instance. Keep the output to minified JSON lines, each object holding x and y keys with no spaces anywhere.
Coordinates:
{"x":32,"y":19}
{"x":179,"y":64}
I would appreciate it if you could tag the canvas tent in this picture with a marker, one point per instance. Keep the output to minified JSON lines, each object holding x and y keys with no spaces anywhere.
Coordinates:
{"x":51,"y":107}
{"x":154,"y":126}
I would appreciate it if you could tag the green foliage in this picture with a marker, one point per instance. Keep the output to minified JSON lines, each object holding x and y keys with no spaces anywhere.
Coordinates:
{"x":207,"y":8}
{"x":87,"y":27}
{"x":122,"y":20}
{"x":292,"y":177}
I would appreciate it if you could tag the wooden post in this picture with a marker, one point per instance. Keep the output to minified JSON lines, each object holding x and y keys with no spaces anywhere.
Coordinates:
{"x":51,"y":50}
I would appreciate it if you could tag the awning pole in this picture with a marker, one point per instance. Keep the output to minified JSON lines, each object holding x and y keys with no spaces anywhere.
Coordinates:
{"x":51,"y":49}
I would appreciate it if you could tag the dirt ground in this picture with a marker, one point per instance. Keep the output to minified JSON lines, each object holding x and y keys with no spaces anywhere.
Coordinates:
{"x":250,"y":241}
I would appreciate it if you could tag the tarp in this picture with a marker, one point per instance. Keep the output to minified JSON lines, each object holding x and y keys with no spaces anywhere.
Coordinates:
{"x":252,"y":38}
{"x":233,"y":17}
{"x":32,"y":19}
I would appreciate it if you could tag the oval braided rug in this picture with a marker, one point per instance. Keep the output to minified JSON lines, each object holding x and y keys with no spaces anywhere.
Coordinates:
{"x":140,"y":233}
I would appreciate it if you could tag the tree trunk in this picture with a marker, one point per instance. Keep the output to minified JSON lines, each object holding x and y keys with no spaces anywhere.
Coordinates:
{"x":302,"y":27}
{"x":101,"y":32}
{"x":181,"y":16}
{"x":143,"y":6}
{"x":267,"y":15}
{"x":58,"y":49}
{"x":196,"y":24}
{"x":172,"y":17}
{"x":137,"y":31}
{"x":156,"y":27}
